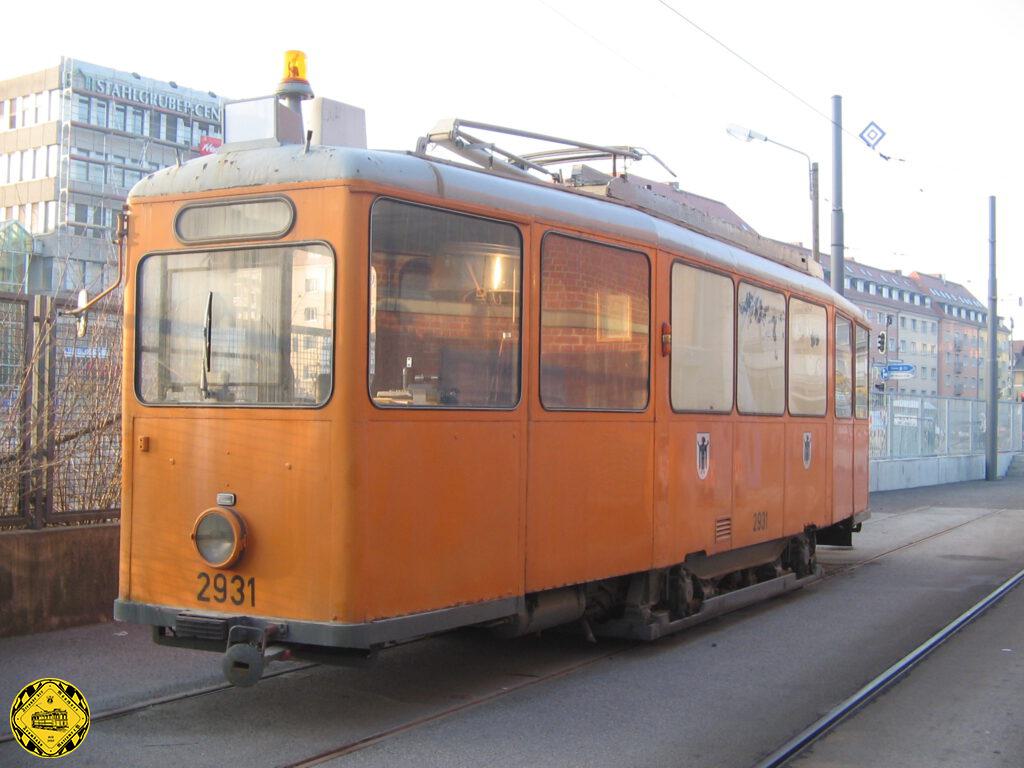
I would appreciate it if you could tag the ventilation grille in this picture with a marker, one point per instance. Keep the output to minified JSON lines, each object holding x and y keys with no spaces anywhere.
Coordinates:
{"x":723,"y":528}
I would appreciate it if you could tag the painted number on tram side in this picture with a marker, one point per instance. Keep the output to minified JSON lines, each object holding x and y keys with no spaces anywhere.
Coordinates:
{"x":220,"y":589}
{"x":760,"y":521}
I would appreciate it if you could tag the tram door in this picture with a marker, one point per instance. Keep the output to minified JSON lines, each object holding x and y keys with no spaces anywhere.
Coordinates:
{"x":842,"y":442}
{"x":695,"y":429}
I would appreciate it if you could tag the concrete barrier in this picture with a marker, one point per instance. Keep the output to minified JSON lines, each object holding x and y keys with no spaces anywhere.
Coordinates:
{"x":57,"y":577}
{"x":896,"y":474}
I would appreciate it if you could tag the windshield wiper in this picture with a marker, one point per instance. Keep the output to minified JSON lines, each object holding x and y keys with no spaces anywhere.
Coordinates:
{"x":204,"y":384}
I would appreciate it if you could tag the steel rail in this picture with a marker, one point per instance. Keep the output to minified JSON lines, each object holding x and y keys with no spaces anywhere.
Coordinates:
{"x":893,"y":674}
{"x":370,"y":740}
{"x":379,"y":736}
{"x":127,"y":709}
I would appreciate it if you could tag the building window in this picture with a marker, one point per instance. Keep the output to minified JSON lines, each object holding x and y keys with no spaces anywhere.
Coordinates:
{"x":40,"y":169}
{"x":595,"y":317}
{"x":81,"y":110}
{"x":761,"y":350}
{"x":42,"y":108}
{"x":808,"y":359}
{"x":26,"y":110}
{"x":913,"y":323}
{"x":119,"y":120}
{"x":309,"y":314}
{"x":52,"y":160}
{"x":99,"y":113}
{"x":455,"y":341}
{"x":702,"y":340}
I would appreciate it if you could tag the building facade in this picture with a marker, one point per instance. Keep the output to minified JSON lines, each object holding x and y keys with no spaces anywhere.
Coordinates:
{"x":1017,"y":370}
{"x":963,"y":337}
{"x":74,"y":139}
{"x":895,"y":305}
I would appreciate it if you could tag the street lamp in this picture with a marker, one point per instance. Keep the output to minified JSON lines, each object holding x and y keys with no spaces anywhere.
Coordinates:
{"x":745,"y":134}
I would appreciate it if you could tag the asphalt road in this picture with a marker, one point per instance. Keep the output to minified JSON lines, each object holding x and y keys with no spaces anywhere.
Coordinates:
{"x":723,"y":694}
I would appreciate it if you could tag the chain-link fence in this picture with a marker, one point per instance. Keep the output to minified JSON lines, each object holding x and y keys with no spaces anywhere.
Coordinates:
{"x":907,"y":426}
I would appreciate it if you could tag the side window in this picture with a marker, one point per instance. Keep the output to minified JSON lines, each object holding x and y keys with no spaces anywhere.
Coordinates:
{"x":808,"y":359}
{"x":761,"y":351}
{"x":702,"y":340}
{"x":445,"y":309}
{"x":861,"y":374}
{"x":844,"y":369}
{"x":594,"y":326}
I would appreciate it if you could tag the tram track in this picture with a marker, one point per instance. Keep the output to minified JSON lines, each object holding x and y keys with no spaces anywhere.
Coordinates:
{"x":376,"y":737}
{"x":156,"y":701}
{"x":849,"y":706}
{"x":356,"y":745}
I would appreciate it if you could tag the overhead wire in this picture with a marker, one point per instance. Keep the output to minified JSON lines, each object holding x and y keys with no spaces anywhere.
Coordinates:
{"x":774,"y":81}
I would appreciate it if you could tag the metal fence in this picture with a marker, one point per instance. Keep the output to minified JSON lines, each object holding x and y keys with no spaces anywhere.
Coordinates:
{"x":907,"y":426}
{"x":60,"y":453}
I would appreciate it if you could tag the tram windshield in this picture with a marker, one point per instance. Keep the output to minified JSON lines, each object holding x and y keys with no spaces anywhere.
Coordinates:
{"x":237,"y":327}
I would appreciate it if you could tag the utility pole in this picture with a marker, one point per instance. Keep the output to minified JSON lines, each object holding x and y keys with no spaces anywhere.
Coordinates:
{"x":992,"y":405}
{"x":838,"y":263}
{"x":815,"y":247}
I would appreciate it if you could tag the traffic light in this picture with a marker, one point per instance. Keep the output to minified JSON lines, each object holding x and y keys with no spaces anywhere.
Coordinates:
{"x":881,"y":342}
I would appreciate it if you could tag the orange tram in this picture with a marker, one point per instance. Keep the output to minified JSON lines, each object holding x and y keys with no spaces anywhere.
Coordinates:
{"x":371,"y":396}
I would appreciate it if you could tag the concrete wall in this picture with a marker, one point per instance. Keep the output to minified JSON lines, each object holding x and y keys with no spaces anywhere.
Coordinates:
{"x":57,"y":577}
{"x":894,"y":474}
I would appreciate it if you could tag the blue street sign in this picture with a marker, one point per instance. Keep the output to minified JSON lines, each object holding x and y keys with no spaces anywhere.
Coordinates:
{"x":900,"y":367}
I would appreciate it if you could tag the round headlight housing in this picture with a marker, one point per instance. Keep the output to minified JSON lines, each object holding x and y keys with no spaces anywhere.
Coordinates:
{"x":219,"y":536}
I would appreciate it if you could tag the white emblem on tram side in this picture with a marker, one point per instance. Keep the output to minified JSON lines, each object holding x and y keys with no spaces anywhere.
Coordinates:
{"x":703,"y":454}
{"x":807,"y":450}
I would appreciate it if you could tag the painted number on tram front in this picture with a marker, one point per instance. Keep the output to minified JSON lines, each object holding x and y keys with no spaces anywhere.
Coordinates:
{"x":760,"y":521}
{"x":220,"y":589}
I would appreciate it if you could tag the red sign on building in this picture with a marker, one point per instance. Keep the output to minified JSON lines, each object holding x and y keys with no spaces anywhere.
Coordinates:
{"x":209,"y":144}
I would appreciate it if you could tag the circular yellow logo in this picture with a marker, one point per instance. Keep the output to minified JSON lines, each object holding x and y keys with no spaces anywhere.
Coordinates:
{"x":50,"y":717}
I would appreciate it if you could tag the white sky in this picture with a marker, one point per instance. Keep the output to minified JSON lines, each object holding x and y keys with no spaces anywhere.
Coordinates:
{"x":941,"y":78}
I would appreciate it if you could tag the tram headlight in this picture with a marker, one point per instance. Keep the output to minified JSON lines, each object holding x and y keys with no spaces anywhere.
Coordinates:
{"x":219,"y":536}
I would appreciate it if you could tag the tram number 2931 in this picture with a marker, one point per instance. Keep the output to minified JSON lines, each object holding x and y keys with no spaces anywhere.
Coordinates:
{"x":219,"y":588}
{"x":760,"y":521}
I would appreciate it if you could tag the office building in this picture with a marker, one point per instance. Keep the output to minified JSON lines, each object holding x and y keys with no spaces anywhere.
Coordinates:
{"x":74,"y":138}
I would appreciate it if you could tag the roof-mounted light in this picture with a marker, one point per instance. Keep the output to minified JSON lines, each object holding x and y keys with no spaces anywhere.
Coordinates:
{"x":294,"y":87}
{"x":294,"y":67}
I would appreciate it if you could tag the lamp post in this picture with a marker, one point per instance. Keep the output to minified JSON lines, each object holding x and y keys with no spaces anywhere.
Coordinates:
{"x":745,"y":134}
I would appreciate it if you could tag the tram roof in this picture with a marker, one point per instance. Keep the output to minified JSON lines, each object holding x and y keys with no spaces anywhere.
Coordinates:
{"x":293,"y":163}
